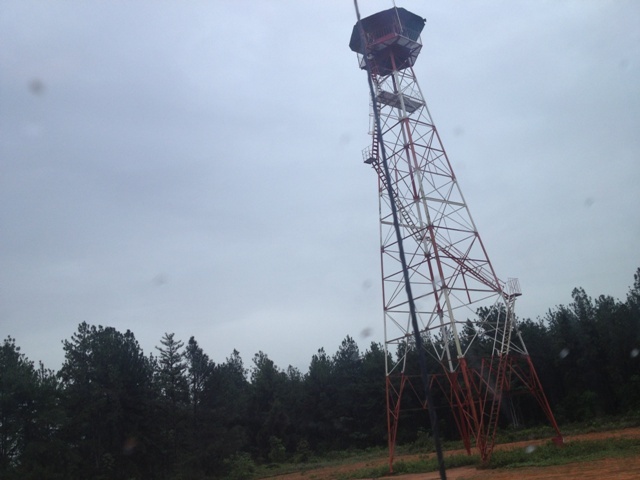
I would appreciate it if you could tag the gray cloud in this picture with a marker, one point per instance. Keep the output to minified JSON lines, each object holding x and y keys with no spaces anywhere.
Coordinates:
{"x":197,"y":168}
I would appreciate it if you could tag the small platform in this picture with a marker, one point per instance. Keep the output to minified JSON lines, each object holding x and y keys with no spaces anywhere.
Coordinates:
{"x":393,"y":100}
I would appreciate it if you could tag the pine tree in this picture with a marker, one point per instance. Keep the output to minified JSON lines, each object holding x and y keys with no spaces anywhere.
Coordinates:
{"x":174,"y":395}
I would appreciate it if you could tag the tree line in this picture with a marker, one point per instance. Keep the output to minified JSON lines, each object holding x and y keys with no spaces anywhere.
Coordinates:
{"x":112,"y":412}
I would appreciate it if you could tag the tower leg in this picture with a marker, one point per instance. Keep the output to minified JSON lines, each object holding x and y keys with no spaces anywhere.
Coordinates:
{"x":456,"y":403}
{"x":535,"y":387}
{"x":394,"y":397}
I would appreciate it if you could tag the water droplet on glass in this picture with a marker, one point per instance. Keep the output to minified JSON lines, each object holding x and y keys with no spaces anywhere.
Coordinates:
{"x":530,"y":449}
{"x":36,"y":86}
{"x":159,"y":280}
{"x":564,"y":352}
{"x":32,"y":130}
{"x":130,"y":445}
{"x":635,"y":352}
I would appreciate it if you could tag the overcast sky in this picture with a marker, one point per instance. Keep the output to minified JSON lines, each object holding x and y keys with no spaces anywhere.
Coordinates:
{"x":195,"y":167}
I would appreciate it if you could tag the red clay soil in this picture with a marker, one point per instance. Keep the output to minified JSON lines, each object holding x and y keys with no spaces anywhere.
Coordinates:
{"x":627,"y":468}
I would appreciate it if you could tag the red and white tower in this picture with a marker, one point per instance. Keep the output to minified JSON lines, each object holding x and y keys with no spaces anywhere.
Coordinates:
{"x":465,"y":312}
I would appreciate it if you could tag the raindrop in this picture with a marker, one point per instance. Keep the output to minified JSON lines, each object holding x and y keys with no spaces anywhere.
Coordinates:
{"x":32,"y":130}
{"x":36,"y":86}
{"x":344,"y":139}
{"x":635,"y":352}
{"x":130,"y":445}
{"x":564,"y":352}
{"x":366,"y":332}
{"x":530,"y":449}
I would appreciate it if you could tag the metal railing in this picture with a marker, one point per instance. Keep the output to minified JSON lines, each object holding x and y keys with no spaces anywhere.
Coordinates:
{"x":373,"y":37}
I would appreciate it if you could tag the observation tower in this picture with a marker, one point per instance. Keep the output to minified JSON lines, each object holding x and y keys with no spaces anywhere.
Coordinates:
{"x":465,"y":313}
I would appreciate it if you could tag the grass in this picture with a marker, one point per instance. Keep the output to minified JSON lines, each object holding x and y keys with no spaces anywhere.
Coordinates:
{"x":543,"y":455}
{"x":539,"y":456}
{"x":576,"y":451}
{"x":422,"y":465}
{"x":329,"y":459}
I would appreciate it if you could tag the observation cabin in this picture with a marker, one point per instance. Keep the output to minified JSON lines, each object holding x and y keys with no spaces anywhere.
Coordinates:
{"x":391,"y":40}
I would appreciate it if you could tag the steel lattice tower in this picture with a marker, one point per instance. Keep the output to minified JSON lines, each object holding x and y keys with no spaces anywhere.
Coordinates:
{"x":465,"y":312}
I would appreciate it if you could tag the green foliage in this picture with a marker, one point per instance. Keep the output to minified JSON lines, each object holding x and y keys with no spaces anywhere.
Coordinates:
{"x":112,"y":412}
{"x":172,"y":402}
{"x":18,"y":382}
{"x":550,"y":454}
{"x":240,"y":466}
{"x":277,"y":452}
{"x":593,"y":357}
{"x":424,"y":441}
{"x":199,"y":372}
{"x":108,"y":395}
{"x":531,"y":456}
{"x":303,"y":452}
{"x":30,"y":414}
{"x":170,"y":371}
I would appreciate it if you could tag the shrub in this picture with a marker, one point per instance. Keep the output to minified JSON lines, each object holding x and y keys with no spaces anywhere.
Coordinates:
{"x":240,"y":466}
{"x":277,"y":452}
